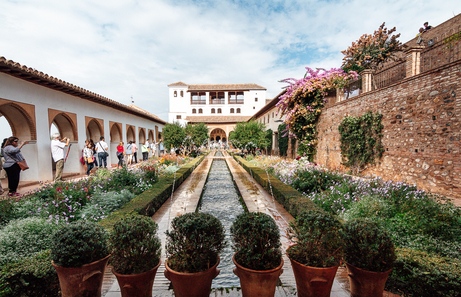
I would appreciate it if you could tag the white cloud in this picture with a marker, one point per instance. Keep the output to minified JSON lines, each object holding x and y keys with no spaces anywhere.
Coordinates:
{"x":123,"y":48}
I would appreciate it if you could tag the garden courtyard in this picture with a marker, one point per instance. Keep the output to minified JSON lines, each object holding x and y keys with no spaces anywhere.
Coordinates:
{"x":423,"y":227}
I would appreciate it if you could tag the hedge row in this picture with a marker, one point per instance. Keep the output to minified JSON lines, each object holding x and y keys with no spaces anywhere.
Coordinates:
{"x":415,"y":273}
{"x":150,"y":201}
{"x":293,"y":201}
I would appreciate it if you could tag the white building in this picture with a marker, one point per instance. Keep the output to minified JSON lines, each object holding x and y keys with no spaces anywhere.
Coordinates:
{"x":188,"y":101}
{"x":32,"y":101}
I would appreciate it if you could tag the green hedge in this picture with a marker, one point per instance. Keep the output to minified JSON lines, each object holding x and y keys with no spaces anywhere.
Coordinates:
{"x":151,"y":200}
{"x":422,"y":274}
{"x":34,"y":276}
{"x":293,"y":201}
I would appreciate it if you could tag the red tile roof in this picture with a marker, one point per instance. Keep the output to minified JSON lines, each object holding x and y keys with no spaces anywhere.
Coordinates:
{"x":218,"y":87}
{"x":217,"y":119}
{"x":31,"y":75}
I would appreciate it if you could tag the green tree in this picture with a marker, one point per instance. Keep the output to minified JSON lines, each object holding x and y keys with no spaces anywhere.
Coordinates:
{"x":198,"y":133}
{"x":173,"y":135}
{"x":249,"y":135}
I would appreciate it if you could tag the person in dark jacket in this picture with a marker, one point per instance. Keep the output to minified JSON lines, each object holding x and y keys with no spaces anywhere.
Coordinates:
{"x":12,"y":154}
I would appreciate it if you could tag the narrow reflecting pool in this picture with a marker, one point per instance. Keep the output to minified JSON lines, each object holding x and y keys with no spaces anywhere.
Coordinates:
{"x":220,"y":199}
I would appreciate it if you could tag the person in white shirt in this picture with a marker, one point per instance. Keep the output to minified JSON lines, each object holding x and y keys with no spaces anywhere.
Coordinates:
{"x":147,"y":144}
{"x":153,"y":148}
{"x":57,"y":151}
{"x":101,"y":149}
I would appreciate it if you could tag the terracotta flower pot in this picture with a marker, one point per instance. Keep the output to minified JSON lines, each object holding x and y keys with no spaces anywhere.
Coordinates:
{"x":313,"y":281}
{"x":133,"y":285}
{"x":192,"y":284}
{"x":366,"y":283}
{"x":82,"y":281}
{"x":260,"y":283}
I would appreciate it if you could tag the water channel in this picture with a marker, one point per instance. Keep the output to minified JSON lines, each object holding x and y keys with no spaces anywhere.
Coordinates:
{"x":220,"y":199}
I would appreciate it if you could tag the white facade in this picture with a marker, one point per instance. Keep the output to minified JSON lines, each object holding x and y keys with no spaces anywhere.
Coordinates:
{"x":31,"y":109}
{"x":214,"y":100}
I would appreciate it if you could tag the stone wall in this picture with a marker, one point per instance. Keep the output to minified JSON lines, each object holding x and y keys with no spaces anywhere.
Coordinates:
{"x":422,"y":121}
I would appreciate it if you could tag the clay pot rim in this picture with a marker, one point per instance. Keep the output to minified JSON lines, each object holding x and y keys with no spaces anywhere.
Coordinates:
{"x":375,"y":272}
{"x":313,"y":267}
{"x":193,"y":273}
{"x":138,"y":274}
{"x":80,"y":267}
{"x":257,"y":271}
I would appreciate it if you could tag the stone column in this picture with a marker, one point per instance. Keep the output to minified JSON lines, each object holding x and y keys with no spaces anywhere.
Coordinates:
{"x":413,"y":61}
{"x":339,"y":94}
{"x":367,"y":78}
{"x":289,"y":149}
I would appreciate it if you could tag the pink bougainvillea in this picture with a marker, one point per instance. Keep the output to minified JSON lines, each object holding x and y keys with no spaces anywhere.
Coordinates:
{"x":303,"y":101}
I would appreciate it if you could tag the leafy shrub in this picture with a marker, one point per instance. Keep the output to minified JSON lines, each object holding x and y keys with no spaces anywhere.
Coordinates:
{"x":249,"y":157}
{"x":316,"y":180}
{"x":25,"y":237}
{"x":78,"y":243}
{"x":318,"y":239}
{"x":368,"y":246}
{"x":256,"y":241}
{"x":31,"y":276}
{"x":104,"y":203}
{"x":422,"y":274}
{"x":134,"y":244}
{"x":194,"y":242}
{"x":6,"y":211}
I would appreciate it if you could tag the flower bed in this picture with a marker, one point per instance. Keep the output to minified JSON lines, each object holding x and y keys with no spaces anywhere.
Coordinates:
{"x":421,"y":224}
{"x":142,"y":188}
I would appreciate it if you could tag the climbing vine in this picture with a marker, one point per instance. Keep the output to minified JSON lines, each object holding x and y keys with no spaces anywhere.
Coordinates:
{"x":361,"y":140}
{"x":269,"y":133}
{"x":282,"y":139}
{"x":303,"y":101}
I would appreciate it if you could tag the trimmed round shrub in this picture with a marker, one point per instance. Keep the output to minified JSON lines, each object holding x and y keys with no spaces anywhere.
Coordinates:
{"x":318,"y":237}
{"x":256,"y":241}
{"x":368,"y":246}
{"x":79,"y":243}
{"x":134,"y":244}
{"x":194,"y":242}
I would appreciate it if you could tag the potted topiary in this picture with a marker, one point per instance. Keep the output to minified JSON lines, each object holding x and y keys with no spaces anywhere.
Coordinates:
{"x":135,"y":249}
{"x":317,"y":252}
{"x":258,"y":259}
{"x":79,"y":253}
{"x":370,"y":254}
{"x":193,"y":247}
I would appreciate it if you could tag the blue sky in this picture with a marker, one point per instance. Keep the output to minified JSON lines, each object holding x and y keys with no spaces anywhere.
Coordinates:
{"x":124,"y":48}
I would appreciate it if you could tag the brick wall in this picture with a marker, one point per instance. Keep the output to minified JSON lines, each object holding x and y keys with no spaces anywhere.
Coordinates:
{"x":422,"y":121}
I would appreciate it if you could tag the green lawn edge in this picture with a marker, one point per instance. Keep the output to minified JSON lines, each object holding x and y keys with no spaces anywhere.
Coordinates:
{"x":148,"y":202}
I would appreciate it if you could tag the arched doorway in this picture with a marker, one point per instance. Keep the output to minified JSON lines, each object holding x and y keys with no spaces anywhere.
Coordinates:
{"x":130,"y":134}
{"x":142,"y":135}
{"x":115,"y":133}
{"x":66,"y":127}
{"x":19,"y":122}
{"x":217,"y":134}
{"x":93,"y":130}
{"x":150,"y":136}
